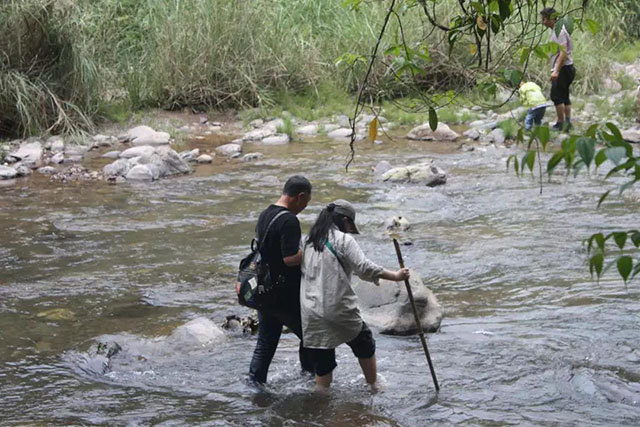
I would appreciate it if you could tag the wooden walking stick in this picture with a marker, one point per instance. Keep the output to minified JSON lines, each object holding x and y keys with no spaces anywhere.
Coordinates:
{"x":417,"y":318}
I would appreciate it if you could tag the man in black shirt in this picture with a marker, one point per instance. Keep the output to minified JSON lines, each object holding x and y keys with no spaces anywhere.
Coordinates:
{"x":282,"y":252}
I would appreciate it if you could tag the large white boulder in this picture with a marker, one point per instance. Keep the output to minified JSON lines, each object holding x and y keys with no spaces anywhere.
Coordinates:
{"x":424,"y":133}
{"x":388,"y":308}
{"x":30,"y":154}
{"x":144,"y":150}
{"x":422,"y":173}
{"x":144,"y":135}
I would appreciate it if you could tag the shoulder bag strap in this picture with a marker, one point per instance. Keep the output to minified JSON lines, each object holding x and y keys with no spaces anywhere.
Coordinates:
{"x":333,"y":251}
{"x":266,"y":232}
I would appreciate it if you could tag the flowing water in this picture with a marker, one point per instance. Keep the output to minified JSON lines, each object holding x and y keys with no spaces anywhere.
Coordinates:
{"x":527,"y":338}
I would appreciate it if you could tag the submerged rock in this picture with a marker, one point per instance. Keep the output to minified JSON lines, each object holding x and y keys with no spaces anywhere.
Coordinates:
{"x":424,"y":133}
{"x":7,"y":172}
{"x":421,"y":173}
{"x":204,"y":158}
{"x":381,"y":168}
{"x":340,"y":133}
{"x":277,"y":139}
{"x":388,"y":307}
{"x":229,"y":149}
{"x":249,"y":157}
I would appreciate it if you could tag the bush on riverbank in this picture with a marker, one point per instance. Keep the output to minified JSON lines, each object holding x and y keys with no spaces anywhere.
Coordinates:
{"x":62,"y":61}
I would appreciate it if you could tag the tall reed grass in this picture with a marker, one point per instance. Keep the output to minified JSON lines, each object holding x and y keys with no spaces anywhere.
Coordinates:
{"x":63,"y":61}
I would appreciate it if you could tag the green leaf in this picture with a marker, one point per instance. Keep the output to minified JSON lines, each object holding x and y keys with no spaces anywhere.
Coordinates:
{"x":636,"y":270}
{"x":593,"y":26}
{"x":568,"y":23}
{"x":543,"y":134}
{"x":603,"y":197}
{"x":635,"y":238}
{"x":591,"y":132}
{"x":615,"y":131}
{"x":599,"y":238}
{"x":624,"y":187}
{"x":601,"y":157}
{"x":595,"y":264}
{"x":615,"y":154}
{"x":586,"y":149}
{"x":529,"y":159}
{"x":433,"y":119}
{"x":625,"y":264}
{"x":553,"y":162}
{"x":620,"y":238}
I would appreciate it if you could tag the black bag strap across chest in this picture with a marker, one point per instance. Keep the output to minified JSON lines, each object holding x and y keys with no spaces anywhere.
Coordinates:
{"x":266,"y":232}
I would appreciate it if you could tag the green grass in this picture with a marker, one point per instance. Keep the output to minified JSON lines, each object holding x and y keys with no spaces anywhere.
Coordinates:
{"x":67,"y":63}
{"x":627,"y":107}
{"x":510,"y":128}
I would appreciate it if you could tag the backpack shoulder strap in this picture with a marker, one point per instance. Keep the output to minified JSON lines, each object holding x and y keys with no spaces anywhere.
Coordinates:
{"x":266,"y":232}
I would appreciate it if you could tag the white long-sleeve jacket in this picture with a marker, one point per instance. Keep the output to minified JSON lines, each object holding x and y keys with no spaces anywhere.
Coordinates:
{"x":328,"y":305}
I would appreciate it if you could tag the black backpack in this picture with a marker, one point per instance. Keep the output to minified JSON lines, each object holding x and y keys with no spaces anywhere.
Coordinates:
{"x":255,"y":287}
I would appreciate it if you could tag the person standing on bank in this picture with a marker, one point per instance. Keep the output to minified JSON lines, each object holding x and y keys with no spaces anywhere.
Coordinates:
{"x":283,"y":255}
{"x":328,"y":304}
{"x":562,"y":70}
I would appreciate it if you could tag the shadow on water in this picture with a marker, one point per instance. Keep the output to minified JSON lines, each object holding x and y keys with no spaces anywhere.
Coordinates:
{"x":525,"y":339}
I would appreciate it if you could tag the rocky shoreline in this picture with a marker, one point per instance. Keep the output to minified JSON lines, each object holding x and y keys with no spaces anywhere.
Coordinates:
{"x":143,"y":154}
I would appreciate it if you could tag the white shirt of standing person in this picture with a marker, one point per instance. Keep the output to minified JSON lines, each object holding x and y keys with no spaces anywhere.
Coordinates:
{"x":564,"y":40}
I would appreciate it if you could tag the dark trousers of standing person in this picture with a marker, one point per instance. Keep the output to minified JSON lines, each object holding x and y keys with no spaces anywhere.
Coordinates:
{"x":269,"y":331}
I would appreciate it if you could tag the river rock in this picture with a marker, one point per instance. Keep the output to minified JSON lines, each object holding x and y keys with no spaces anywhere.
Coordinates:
{"x":111,"y":155}
{"x":611,"y":85}
{"x":496,"y":136}
{"x":190,"y":156}
{"x":30,"y":154}
{"x":165,"y":162}
{"x":424,"y":133}
{"x":473,"y":134}
{"x":7,"y":172}
{"x":118,"y":168}
{"x":249,"y":157}
{"x":342,"y":120}
{"x":204,"y":158}
{"x":340,"y":133}
{"x":57,"y":158}
{"x":199,"y":332}
{"x":381,"y":168}
{"x":229,"y":149}
{"x":308,"y":130}
{"x":422,"y":173}
{"x":144,"y":135}
{"x":137,"y":151}
{"x":259,"y":134}
{"x":484,"y":124}
{"x":57,"y":144}
{"x":257,"y":123}
{"x":22,"y":170}
{"x":397,"y":223}
{"x":277,"y":139}
{"x":329,"y":127}
{"x":140,"y":173}
{"x":47,"y":170}
{"x":388,"y":308}
{"x":632,"y":135}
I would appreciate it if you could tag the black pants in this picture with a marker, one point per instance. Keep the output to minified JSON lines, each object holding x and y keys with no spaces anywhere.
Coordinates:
{"x":560,"y":86}
{"x":269,"y":331}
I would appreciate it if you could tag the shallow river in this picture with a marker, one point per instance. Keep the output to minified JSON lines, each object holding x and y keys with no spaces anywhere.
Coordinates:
{"x":527,"y":338}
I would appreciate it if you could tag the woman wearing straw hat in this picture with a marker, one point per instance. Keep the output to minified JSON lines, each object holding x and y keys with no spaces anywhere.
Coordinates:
{"x":328,"y":304}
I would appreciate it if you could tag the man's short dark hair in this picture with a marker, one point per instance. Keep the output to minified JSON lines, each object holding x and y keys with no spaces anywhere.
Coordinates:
{"x":295,"y":185}
{"x":548,"y":12}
